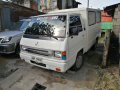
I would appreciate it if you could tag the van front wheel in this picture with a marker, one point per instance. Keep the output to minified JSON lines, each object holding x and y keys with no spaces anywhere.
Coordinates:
{"x":78,"y":63}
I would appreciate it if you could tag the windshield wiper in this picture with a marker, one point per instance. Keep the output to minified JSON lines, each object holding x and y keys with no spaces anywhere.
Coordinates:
{"x":48,"y":35}
{"x":53,"y":37}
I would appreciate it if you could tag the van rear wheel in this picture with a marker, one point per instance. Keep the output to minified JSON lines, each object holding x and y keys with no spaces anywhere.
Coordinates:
{"x":78,"y":63}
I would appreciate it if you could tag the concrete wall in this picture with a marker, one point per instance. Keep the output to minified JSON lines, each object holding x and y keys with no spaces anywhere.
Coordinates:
{"x":5,"y":18}
{"x":51,"y":5}
{"x":64,"y":4}
{"x":116,"y":21}
{"x":70,"y":3}
{"x":67,"y":3}
{"x":27,"y":3}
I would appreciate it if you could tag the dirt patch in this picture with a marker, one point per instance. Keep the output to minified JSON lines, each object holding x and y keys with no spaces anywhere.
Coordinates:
{"x":93,"y":57}
{"x":53,"y":79}
{"x":108,"y":79}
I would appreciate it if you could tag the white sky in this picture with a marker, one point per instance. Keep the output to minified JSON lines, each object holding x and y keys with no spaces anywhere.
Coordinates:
{"x":98,"y":3}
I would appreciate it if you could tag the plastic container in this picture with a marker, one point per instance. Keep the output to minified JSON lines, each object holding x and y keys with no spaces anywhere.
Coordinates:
{"x":106,"y":19}
{"x":106,"y":25}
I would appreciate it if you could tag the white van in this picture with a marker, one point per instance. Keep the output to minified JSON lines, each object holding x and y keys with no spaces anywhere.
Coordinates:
{"x":58,"y":40}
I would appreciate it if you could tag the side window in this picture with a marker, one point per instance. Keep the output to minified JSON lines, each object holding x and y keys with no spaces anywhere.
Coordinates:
{"x":98,"y":17}
{"x":75,"y":25}
{"x":91,"y":18}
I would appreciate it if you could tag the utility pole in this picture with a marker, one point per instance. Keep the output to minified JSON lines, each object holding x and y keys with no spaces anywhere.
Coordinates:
{"x":88,"y":4}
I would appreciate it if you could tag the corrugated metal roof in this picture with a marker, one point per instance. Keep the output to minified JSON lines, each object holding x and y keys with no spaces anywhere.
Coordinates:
{"x":111,"y":9}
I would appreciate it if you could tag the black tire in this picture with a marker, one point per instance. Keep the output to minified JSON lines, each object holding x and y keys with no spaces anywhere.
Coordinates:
{"x":17,"y":50}
{"x":78,"y":63}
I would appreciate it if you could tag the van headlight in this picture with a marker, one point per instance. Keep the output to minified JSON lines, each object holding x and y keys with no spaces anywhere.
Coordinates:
{"x":61,"y":55}
{"x":23,"y":48}
{"x":6,"y":39}
{"x":57,"y":54}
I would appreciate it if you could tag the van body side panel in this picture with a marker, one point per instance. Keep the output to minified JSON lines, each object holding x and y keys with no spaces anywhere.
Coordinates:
{"x":93,"y":28}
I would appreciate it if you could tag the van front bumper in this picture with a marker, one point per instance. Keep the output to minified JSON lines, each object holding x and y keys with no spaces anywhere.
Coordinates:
{"x":44,"y":62}
{"x":7,"y":48}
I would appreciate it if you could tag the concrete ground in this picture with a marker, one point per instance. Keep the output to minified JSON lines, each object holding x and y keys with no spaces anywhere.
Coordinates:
{"x":25,"y":78}
{"x":15,"y":74}
{"x":18,"y":75}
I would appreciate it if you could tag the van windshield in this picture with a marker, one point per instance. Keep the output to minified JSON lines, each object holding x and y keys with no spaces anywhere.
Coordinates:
{"x":47,"y":26}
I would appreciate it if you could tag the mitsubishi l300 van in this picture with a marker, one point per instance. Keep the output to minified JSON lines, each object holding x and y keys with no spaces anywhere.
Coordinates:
{"x":59,"y":39}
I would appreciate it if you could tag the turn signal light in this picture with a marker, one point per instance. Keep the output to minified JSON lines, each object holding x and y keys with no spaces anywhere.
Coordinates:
{"x":64,"y":55}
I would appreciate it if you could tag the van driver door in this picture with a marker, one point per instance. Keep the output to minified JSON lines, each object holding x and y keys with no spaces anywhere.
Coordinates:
{"x":76,"y":36}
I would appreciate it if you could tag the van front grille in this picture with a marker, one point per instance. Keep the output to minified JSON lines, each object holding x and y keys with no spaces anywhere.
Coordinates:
{"x":41,"y":64}
{"x":36,"y":51}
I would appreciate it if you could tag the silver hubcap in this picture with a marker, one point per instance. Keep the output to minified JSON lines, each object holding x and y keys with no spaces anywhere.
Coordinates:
{"x":79,"y":61}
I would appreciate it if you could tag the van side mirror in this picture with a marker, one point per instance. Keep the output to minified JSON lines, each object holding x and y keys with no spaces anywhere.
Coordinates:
{"x":73,"y":31}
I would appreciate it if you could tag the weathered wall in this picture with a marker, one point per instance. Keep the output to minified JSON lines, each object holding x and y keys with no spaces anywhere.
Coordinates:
{"x":5,"y":18}
{"x":11,"y":13}
{"x":49,"y":5}
{"x":27,"y":3}
{"x":116,"y":21}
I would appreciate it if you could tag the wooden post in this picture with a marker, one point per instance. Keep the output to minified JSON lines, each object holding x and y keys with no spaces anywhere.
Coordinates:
{"x":119,"y":54}
{"x":106,"y":48}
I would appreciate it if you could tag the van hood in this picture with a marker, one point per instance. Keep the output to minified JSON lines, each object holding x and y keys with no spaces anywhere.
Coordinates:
{"x":10,"y":33}
{"x":44,"y":44}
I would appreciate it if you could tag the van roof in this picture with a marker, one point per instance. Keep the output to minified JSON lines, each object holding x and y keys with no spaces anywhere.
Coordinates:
{"x":49,"y":14}
{"x":66,"y":11}
{"x":74,"y":9}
